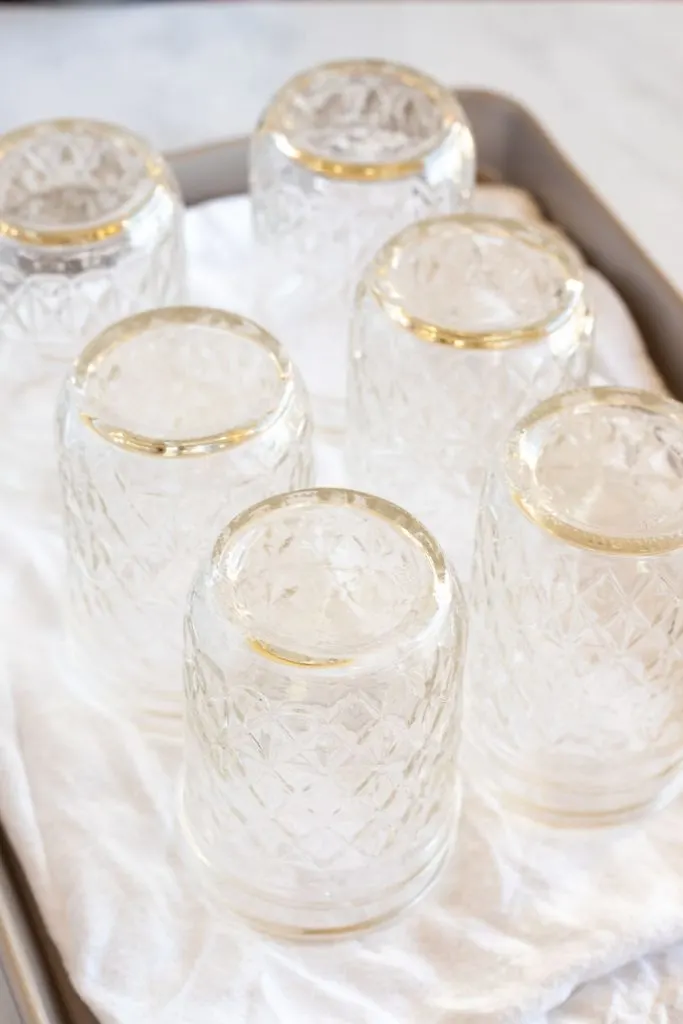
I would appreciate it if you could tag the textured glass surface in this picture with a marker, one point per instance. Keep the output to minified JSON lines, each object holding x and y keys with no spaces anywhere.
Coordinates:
{"x":461,"y":324}
{"x":90,"y":232}
{"x":324,"y":645}
{"x":575,"y":709}
{"x":343,"y":157}
{"x":171,"y":423}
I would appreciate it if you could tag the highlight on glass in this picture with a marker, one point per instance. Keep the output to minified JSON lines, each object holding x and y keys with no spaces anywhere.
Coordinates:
{"x":169,"y":424}
{"x":461,"y":324}
{"x":345,"y":155}
{"x":574,"y":708}
{"x":324,"y":645}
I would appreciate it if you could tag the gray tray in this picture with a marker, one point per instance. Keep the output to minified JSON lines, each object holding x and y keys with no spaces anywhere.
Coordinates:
{"x":512,"y":148}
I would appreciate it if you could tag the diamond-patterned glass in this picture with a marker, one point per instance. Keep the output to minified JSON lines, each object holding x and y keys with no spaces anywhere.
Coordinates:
{"x":574,"y":708}
{"x":343,"y":157}
{"x":171,"y":423}
{"x":90,"y":232}
{"x":461,"y":324}
{"x":323,"y":655}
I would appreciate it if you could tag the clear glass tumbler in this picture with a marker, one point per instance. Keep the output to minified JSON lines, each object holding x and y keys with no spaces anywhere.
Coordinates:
{"x":461,"y":324}
{"x":90,"y":232}
{"x":343,"y":157}
{"x":170,"y":423}
{"x":324,"y":645}
{"x":574,"y":703}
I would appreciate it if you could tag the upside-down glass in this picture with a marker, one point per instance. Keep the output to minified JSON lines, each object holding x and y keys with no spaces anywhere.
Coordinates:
{"x":324,"y":644}
{"x":344,"y":156}
{"x":575,"y":708}
{"x":170,"y":423}
{"x":90,"y":232}
{"x":461,"y":324}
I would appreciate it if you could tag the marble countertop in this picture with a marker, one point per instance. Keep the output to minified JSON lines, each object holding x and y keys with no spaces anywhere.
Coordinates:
{"x":605,"y":78}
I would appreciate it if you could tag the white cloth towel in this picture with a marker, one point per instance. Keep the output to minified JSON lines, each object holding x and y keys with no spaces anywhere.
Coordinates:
{"x":518,"y":922}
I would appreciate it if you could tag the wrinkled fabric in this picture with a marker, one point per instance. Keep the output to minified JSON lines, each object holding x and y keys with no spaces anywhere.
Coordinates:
{"x":524,"y":927}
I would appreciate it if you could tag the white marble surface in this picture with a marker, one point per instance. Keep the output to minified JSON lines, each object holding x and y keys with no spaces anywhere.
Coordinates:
{"x":607,"y":78}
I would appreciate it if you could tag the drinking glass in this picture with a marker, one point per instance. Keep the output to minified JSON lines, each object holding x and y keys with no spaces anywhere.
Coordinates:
{"x":170,"y":423}
{"x":90,"y":231}
{"x":323,"y":652}
{"x":575,"y":710}
{"x":461,"y":324}
{"x":344,"y":156}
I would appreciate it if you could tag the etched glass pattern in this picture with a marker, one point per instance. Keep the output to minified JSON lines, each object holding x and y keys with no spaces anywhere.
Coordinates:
{"x":575,"y":712}
{"x":461,"y":324}
{"x":344,"y":156}
{"x":90,"y":232}
{"x":324,"y":645}
{"x":171,"y":423}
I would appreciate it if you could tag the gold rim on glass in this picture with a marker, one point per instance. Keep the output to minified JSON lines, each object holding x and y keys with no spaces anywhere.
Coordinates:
{"x":126,"y":331}
{"x":521,"y":448}
{"x":275,"y":121}
{"x":156,"y":171}
{"x":446,"y":587}
{"x":570,"y":303}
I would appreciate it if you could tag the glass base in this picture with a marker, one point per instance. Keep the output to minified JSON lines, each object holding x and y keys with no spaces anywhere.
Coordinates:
{"x":123,"y":689}
{"x":559,"y":806}
{"x":314,"y":921}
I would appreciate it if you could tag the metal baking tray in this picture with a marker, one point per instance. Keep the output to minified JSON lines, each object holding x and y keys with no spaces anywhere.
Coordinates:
{"x":512,"y":148}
